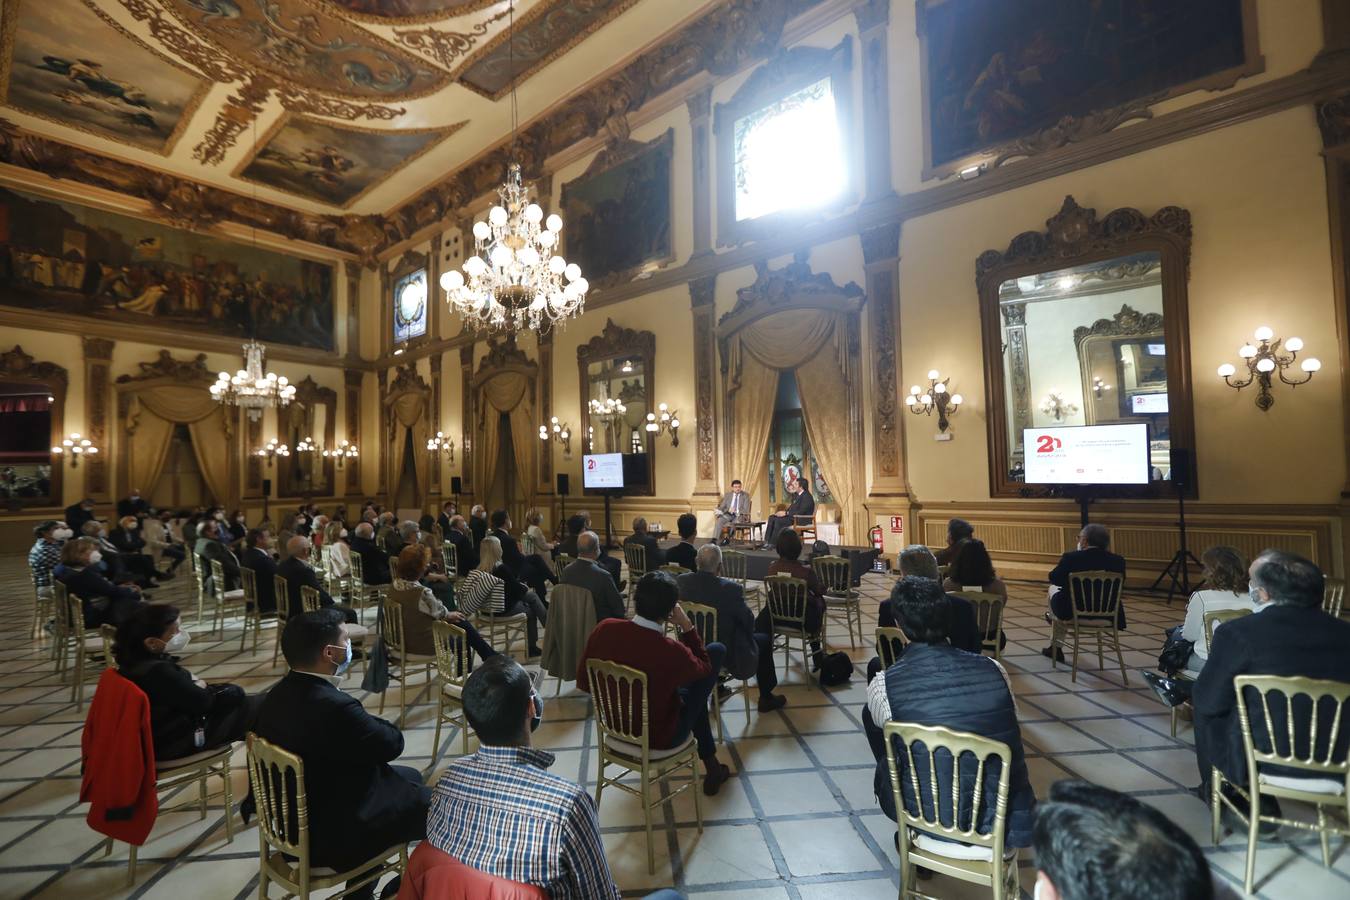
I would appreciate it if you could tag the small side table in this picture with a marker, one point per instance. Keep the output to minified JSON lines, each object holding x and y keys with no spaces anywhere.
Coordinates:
{"x":748,"y":531}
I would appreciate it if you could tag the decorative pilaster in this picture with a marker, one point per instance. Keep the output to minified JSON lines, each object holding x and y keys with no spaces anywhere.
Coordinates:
{"x":253,"y":464}
{"x":881,"y":258}
{"x":701,"y":291}
{"x":383,"y":435}
{"x":97,"y":362}
{"x":700,"y":108}
{"x":467,"y":417}
{"x":873,"y":16}
{"x":353,"y":273}
{"x":385,"y":305}
{"x":435,"y":400}
{"x":545,"y":351}
{"x":438,"y":309}
{"x":1019,"y":369}
{"x":352,"y":381}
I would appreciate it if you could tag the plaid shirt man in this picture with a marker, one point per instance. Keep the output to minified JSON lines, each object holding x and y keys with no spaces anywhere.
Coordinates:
{"x":42,"y":559}
{"x":500,"y":812}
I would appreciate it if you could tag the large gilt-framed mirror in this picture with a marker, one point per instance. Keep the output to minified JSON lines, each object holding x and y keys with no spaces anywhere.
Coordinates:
{"x":617,"y":392}
{"x":311,"y":417}
{"x":1086,"y":324}
{"x":32,"y":410}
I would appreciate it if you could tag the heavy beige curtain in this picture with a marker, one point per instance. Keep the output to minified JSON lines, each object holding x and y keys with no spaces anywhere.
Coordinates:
{"x":211,"y":446}
{"x":148,"y":438}
{"x":814,"y":344}
{"x":154,"y":412}
{"x":507,"y":392}
{"x":409,"y":411}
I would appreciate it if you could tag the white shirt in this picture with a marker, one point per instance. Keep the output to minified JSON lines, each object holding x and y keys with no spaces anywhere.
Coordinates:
{"x":648,"y":623}
{"x":1205,"y":602}
{"x":879,"y":703}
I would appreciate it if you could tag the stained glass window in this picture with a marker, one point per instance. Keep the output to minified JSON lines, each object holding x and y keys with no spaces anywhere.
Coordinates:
{"x":410,"y":306}
{"x":789,"y":154}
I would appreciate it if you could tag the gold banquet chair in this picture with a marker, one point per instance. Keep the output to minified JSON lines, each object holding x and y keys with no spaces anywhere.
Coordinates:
{"x":43,"y":606}
{"x":620,"y":697}
{"x":1212,"y":619}
{"x":635,"y":555}
{"x":890,"y":643}
{"x":454,"y":662}
{"x":225,"y":599}
{"x":979,"y":857}
{"x":253,"y":614}
{"x":1308,"y":748}
{"x":988,"y":619}
{"x":704,"y":618}
{"x":401,"y":663}
{"x":1095,"y":599}
{"x":74,"y":645}
{"x":278,"y":781}
{"x":674,"y":570}
{"x":787,"y":604}
{"x":734,"y":567}
{"x":835,"y":573}
{"x":1333,"y":596}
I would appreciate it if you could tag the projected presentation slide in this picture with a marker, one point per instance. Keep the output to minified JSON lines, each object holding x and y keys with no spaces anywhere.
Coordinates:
{"x":1087,"y":454}
{"x":602,"y":470}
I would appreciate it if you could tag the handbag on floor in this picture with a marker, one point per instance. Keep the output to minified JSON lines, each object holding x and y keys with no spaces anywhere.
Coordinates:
{"x":1176,"y":652}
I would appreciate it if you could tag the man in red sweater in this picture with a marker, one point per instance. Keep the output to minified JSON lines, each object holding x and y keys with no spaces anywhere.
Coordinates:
{"x":680,"y":674}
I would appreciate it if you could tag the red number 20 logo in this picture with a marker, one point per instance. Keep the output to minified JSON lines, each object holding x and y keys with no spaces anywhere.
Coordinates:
{"x":1048,"y":444}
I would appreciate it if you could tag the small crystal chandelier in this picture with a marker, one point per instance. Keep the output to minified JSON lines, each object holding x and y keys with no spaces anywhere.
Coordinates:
{"x":251,"y":388}
{"x":607,"y":410}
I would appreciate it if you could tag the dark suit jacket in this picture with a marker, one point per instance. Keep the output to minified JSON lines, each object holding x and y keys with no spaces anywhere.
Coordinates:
{"x":128,"y":507}
{"x":215,"y":550}
{"x":76,"y":517}
{"x":444,"y":521}
{"x":803,"y":504}
{"x":478,"y":528}
{"x":1277,"y":640}
{"x":466,"y":557}
{"x":655,"y":558}
{"x":586,"y":573}
{"x":126,"y":541}
{"x":1093,"y":559}
{"x":735,"y":621}
{"x":683,"y":554}
{"x":298,"y":574}
{"x":512,"y":558}
{"x":374,"y":561}
{"x":264,"y":566}
{"x":357,"y":802}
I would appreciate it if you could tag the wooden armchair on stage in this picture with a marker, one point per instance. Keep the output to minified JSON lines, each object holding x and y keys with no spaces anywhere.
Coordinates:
{"x":805,"y":526}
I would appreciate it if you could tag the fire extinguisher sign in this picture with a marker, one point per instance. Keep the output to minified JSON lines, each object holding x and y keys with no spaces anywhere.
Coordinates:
{"x":897,"y":524}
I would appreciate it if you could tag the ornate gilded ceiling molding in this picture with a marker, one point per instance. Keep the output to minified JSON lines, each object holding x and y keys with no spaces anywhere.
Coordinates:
{"x":402,"y":12}
{"x":240,"y":110}
{"x":1073,"y":129}
{"x":165,"y":366}
{"x":217,"y":66}
{"x":445,"y":46}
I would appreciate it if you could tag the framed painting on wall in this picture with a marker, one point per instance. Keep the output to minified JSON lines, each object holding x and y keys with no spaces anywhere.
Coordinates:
{"x":995,"y":75}
{"x":618,"y":212}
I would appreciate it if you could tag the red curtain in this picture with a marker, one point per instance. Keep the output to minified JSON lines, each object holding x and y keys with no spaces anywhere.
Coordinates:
{"x":21,"y":404}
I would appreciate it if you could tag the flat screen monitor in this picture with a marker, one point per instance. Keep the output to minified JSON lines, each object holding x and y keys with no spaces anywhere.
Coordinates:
{"x":602,"y":471}
{"x":635,"y":470}
{"x":1148,"y":404}
{"x":1087,"y":454}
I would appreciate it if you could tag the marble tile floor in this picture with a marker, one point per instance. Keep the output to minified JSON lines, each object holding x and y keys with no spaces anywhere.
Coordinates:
{"x":798,"y":820}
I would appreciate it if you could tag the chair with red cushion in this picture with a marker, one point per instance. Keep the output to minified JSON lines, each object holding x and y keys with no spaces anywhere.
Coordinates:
{"x":435,"y":874}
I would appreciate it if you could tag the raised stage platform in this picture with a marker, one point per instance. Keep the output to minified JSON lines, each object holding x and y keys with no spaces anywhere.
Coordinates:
{"x":757,"y":561}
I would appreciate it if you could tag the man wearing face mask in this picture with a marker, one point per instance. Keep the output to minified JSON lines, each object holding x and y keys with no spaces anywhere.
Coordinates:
{"x":359,"y":804}
{"x":133,"y":505}
{"x":187,"y":715}
{"x":79,"y":513}
{"x":45,"y":554}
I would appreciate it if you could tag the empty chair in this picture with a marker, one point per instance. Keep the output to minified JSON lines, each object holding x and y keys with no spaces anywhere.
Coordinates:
{"x":454,"y":662}
{"x":836,"y":576}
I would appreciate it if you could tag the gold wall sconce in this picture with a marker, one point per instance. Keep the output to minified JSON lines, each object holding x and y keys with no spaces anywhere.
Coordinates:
{"x":1264,"y":361}
{"x":937,"y":398}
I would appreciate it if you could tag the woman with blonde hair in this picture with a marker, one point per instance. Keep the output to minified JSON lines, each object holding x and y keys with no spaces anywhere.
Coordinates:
{"x":492,"y":586}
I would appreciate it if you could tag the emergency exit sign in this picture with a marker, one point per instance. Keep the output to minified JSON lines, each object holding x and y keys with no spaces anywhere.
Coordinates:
{"x":897,"y":524}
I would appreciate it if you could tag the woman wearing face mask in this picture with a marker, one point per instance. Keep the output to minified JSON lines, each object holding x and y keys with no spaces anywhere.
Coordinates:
{"x":187,"y":715}
{"x":45,"y":554}
{"x":339,"y":555}
{"x":236,"y":527}
{"x":104,"y":602}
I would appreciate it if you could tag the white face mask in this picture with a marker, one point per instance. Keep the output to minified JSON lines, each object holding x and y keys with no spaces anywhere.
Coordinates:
{"x":95,"y":558}
{"x":1036,"y":892}
{"x":178,"y":642}
{"x":342,"y":533}
{"x":63,"y":534}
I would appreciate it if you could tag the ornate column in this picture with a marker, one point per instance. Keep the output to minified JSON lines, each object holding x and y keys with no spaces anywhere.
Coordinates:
{"x":435,"y":404}
{"x":434,"y":264}
{"x":545,"y":351}
{"x":700,"y":107}
{"x":386,"y":321}
{"x":353,"y":273}
{"x":873,"y":17}
{"x":701,"y":292}
{"x":1019,"y":370}
{"x":97,"y":361}
{"x":466,"y":421}
{"x":382,"y":438}
{"x":889,"y":482}
{"x":352,"y":381}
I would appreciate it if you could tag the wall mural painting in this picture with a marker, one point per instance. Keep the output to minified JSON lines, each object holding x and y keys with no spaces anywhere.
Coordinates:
{"x":60,"y":257}
{"x":289,"y":39}
{"x":997,"y":72}
{"x":62,"y":62}
{"x":548,"y":30}
{"x":333,"y":164}
{"x":619,"y":216}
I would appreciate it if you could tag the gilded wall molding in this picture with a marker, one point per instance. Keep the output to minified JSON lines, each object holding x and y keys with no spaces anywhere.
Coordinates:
{"x":881,"y":259}
{"x":352,"y":381}
{"x":97,"y":364}
{"x":701,"y":298}
{"x":466,"y":414}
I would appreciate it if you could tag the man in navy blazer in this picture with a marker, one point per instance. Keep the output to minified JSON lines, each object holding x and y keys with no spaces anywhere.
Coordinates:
{"x":1091,"y":555}
{"x":1288,"y":635}
{"x":749,"y":643}
{"x":257,"y":556}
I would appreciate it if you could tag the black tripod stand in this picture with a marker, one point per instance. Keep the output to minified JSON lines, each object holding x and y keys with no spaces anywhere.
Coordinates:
{"x":1178,"y":570}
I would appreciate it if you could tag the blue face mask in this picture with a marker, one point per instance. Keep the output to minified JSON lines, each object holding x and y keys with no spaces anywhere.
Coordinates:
{"x":346,"y":660}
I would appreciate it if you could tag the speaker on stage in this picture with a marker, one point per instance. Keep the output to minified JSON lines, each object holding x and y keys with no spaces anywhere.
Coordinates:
{"x":267,"y":487}
{"x":1180,"y":461}
{"x":456,"y":484}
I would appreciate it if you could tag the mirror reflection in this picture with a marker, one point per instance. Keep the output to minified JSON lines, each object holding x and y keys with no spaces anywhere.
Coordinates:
{"x":1085,"y":345}
{"x":617,"y":395}
{"x":305,"y":425}
{"x":26,"y":409}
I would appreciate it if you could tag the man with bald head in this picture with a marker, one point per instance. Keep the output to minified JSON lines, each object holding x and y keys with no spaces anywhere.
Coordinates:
{"x":585,"y":571}
{"x":298,"y":574}
{"x":374,"y":561}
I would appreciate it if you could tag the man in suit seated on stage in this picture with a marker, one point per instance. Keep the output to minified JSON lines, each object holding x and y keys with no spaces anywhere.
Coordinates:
{"x":732,"y":509}
{"x":655,"y":558}
{"x":585,"y":571}
{"x":466,"y":556}
{"x":683,"y":553}
{"x":346,"y":751}
{"x":803,"y":504}
{"x":298,"y":574}
{"x":749,"y":642}
{"x":257,"y":556}
{"x":374,"y":561}
{"x":1091,"y":555}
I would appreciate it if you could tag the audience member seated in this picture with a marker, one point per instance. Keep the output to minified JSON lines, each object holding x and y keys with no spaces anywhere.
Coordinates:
{"x":209,"y":547}
{"x":478,"y":524}
{"x":732,"y":509}
{"x":1091,"y":555}
{"x":133,"y":505}
{"x":45,"y":554}
{"x":466,"y":554}
{"x":359,"y":805}
{"x":500,"y":811}
{"x":958,"y":532}
{"x":655,"y":558}
{"x":126,"y":537}
{"x":749,"y":642}
{"x":789,"y":547}
{"x":1093,"y":843}
{"x":257,"y":556}
{"x":934,"y":683}
{"x":111,"y":560}
{"x":1226,"y":587}
{"x":421,"y":607}
{"x":448,"y":512}
{"x":680,"y":674}
{"x":187,"y":715}
{"x":683,"y":553}
{"x":339,"y":555}
{"x":374,"y":561}
{"x":918,"y":560}
{"x":411,"y":536}
{"x":493,"y":586}
{"x":386,"y":533}
{"x":298,"y":574}
{"x":803,"y":504}
{"x":79,"y":513}
{"x":104,"y":603}
{"x":235,"y":529}
{"x":1288,"y":635}
{"x":531,"y":569}
{"x":585,"y":571}
{"x":534,"y":542}
{"x":160,"y":542}
{"x":973,"y":570}
{"x":575,"y":526}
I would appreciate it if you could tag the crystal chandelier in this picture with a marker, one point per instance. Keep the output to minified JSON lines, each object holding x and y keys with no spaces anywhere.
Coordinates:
{"x":251,"y":388}
{"x":516,"y":281}
{"x":607,"y":410}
